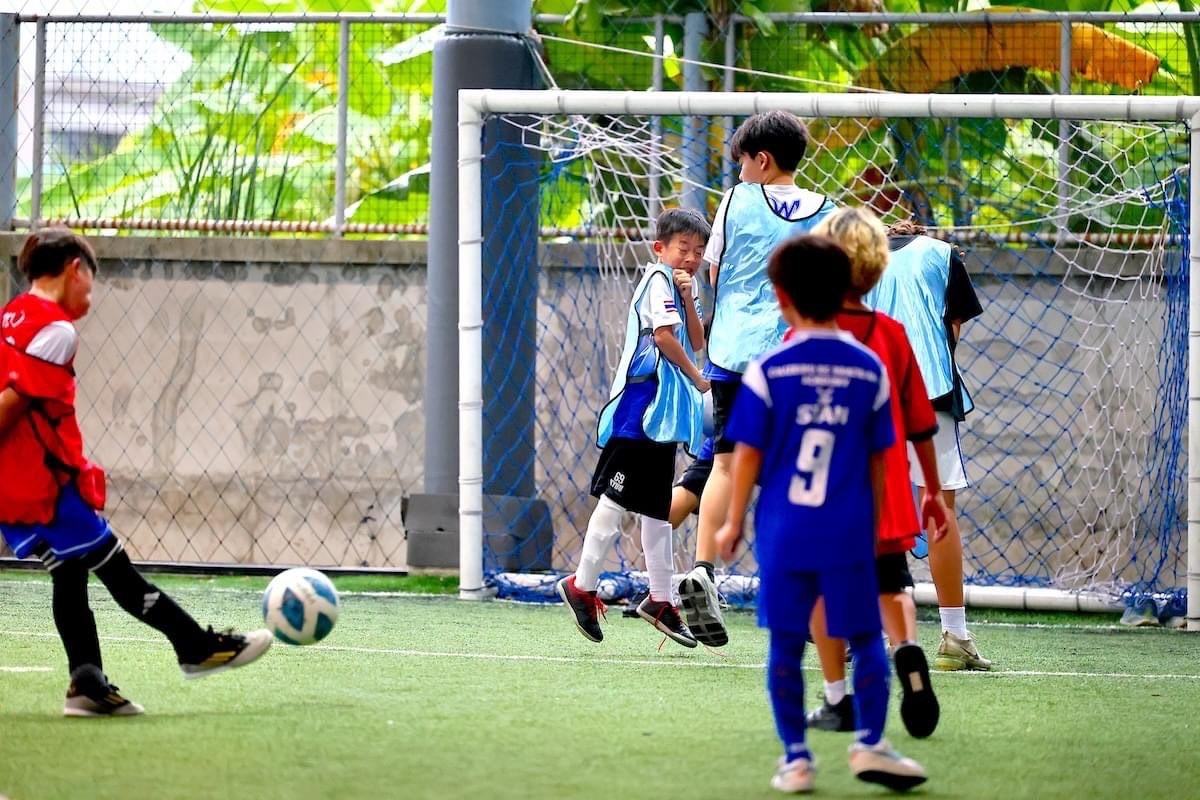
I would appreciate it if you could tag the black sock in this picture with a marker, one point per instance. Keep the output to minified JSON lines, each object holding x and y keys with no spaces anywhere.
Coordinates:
{"x":143,"y":600}
{"x":72,"y":615}
{"x":709,"y":568}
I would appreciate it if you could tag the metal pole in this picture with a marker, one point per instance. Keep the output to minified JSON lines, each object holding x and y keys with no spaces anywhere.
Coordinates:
{"x":10,"y":52}
{"x":1193,"y":509}
{"x":39,"y":123}
{"x":695,"y":144}
{"x":1065,"y":129}
{"x":654,"y":202}
{"x":343,"y":116}
{"x":730,"y":85}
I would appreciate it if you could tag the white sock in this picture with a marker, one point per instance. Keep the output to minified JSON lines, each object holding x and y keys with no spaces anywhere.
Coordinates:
{"x":603,"y":529}
{"x":660,"y":557}
{"x":954,"y":620}
{"x":835,"y":691}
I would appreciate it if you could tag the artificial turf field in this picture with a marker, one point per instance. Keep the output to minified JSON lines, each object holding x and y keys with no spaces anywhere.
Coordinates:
{"x":431,"y":697}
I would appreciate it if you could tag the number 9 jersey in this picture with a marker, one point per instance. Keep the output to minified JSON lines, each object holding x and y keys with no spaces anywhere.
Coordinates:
{"x":817,"y":407}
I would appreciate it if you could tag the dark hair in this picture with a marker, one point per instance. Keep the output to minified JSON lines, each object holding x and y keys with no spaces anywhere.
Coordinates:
{"x":675,"y":221}
{"x":47,"y":252}
{"x":907,"y":227}
{"x":779,"y":133}
{"x":814,"y":272}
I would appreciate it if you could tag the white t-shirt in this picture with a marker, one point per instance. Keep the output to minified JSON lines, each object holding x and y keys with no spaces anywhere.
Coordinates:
{"x":55,"y":343}
{"x":788,"y":200}
{"x":657,"y":309}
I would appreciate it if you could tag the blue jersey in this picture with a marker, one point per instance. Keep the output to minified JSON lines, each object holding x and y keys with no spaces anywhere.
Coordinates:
{"x":817,"y":407}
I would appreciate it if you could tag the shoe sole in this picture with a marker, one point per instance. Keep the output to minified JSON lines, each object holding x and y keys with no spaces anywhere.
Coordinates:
{"x":83,"y":712}
{"x":670,"y":634}
{"x":701,"y":621}
{"x":561,"y":589}
{"x":919,"y":708}
{"x":897,"y":783}
{"x":247,"y":656}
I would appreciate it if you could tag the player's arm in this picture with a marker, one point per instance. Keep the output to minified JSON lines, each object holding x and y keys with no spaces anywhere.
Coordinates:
{"x":12,"y":407}
{"x":672,"y":349}
{"x":716,"y":241}
{"x":747,"y":464}
{"x":962,"y":303}
{"x":691,"y":318}
{"x":935,"y":517}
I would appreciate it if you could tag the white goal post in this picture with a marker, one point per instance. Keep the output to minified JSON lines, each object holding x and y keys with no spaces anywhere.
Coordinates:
{"x":475,"y":106}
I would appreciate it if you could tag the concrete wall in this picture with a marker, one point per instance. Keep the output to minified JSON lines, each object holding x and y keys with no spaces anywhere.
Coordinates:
{"x":258,"y":401}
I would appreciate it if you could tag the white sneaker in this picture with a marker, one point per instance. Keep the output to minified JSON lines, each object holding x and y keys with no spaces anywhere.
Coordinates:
{"x":794,"y":777}
{"x":883,"y":765}
{"x":226,"y":651}
{"x":701,"y":607}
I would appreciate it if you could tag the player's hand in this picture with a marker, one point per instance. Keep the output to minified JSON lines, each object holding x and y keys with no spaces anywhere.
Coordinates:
{"x":701,"y":383}
{"x":683,"y":281}
{"x":935,"y":517}
{"x":728,"y":539}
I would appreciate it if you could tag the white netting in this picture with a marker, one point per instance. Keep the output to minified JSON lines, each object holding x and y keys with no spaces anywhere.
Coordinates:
{"x":1075,"y":235}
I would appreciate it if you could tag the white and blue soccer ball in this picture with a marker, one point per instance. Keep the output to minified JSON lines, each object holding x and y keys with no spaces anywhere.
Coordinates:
{"x":300,"y":606}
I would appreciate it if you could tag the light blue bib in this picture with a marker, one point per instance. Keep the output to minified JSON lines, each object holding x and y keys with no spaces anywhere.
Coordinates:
{"x":676,"y":413}
{"x":913,"y":291}
{"x":746,"y":321}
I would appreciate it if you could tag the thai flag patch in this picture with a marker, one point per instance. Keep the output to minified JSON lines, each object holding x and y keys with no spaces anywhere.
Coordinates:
{"x":670,"y":306}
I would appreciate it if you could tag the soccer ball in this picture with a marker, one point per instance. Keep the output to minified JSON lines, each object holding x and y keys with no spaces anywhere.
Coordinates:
{"x":300,"y":606}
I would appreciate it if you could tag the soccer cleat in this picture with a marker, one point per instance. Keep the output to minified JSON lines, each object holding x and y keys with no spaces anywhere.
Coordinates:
{"x":954,"y":654}
{"x":829,"y":717}
{"x":1173,"y":613}
{"x":702,"y":608}
{"x":794,"y":777}
{"x":586,"y":608}
{"x":631,"y":608}
{"x":1141,"y":613}
{"x":881,"y":764}
{"x":919,"y":707}
{"x":91,"y":695}
{"x":227,"y":650}
{"x":665,"y":617}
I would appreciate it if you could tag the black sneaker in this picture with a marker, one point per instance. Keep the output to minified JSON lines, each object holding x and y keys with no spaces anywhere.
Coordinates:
{"x":919,"y":707}
{"x":838,"y":717}
{"x":227,"y":650}
{"x":91,"y":695}
{"x":586,"y":608}
{"x":665,"y":617}
{"x":631,"y":610}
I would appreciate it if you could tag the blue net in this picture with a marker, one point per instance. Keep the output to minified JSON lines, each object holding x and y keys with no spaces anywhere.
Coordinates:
{"x":1075,"y":237}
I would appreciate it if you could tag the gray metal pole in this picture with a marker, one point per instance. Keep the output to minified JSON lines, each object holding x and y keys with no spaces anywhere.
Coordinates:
{"x":695,"y":141}
{"x":1065,"y":129}
{"x":483,"y":49}
{"x":343,"y":120}
{"x":654,"y":202}
{"x":39,"y":124}
{"x":10,"y":52}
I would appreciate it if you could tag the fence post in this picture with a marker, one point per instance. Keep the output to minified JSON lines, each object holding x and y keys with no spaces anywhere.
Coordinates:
{"x":695,"y":141}
{"x":10,"y":47}
{"x":1065,"y":128}
{"x":1193,"y":462}
{"x":39,"y":124}
{"x":343,"y":117}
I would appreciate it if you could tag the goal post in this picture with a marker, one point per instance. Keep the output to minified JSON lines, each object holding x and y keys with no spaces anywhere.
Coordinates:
{"x":1085,"y":493}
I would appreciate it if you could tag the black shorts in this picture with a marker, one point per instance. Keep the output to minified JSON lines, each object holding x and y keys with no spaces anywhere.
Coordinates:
{"x":891,"y":571}
{"x":723,"y":394}
{"x":695,"y":477}
{"x":636,"y":474}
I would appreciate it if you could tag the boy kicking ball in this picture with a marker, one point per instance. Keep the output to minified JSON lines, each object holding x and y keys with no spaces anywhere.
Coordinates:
{"x":655,"y":404}
{"x":51,"y":496}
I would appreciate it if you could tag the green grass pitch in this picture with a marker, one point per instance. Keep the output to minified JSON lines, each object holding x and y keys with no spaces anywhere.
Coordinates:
{"x":430,"y":697}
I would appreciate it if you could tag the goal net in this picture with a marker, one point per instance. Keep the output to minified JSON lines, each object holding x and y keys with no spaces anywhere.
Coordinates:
{"x":1073,"y":220}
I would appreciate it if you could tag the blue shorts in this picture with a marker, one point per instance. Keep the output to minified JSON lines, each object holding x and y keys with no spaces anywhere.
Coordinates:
{"x":76,"y":529}
{"x":786,"y":600}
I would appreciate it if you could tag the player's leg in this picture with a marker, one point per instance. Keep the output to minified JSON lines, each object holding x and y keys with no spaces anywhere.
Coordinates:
{"x":89,"y":693}
{"x":957,"y":649}
{"x":852,"y":611}
{"x":836,"y":712}
{"x":612,"y":481}
{"x":658,"y":608}
{"x":787,"y":600}
{"x":919,"y":708}
{"x":199,"y":651}
{"x":698,"y":591}
{"x":684,"y":501}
